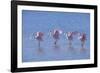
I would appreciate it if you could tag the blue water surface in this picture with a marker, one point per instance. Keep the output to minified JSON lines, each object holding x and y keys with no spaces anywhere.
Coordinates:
{"x":46,"y":21}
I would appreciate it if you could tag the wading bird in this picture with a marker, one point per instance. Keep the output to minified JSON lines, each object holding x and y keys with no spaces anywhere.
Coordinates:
{"x":56,"y":35}
{"x":82,"y":38}
{"x":69,"y":36}
{"x":39,"y":38}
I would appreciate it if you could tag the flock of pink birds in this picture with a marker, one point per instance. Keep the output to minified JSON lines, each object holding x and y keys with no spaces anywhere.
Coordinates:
{"x":56,"y":36}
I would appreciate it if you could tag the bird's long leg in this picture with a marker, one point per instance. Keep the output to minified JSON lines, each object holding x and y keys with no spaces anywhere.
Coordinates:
{"x":82,"y":44}
{"x":70,"y":44}
{"x":55,"y":42}
{"x":56,"y":46}
{"x":39,"y":46}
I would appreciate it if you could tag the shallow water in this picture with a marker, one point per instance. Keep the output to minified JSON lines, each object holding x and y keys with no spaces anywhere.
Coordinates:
{"x":43,"y":21}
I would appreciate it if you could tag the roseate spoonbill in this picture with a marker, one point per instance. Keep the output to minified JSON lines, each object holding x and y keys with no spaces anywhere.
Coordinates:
{"x":82,"y":38}
{"x":39,"y":37}
{"x":56,"y":35}
{"x":69,"y":36}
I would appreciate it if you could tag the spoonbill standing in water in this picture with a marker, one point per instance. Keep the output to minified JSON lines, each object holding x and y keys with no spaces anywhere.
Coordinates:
{"x":69,"y":36}
{"x":82,"y":38}
{"x":39,"y":38}
{"x":56,"y":35}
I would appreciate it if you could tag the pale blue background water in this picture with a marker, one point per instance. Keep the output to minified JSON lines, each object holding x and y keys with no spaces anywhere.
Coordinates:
{"x":45,"y":21}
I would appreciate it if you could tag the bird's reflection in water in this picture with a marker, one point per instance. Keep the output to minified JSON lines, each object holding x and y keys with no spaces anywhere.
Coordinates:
{"x":83,"y":50}
{"x":40,"y":51}
{"x":56,"y":47}
{"x":70,"y":48}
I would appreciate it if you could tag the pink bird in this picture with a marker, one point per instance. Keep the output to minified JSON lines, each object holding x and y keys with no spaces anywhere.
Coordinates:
{"x":69,"y":36}
{"x":56,"y":35}
{"x":39,"y":37}
{"x":82,"y":38}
